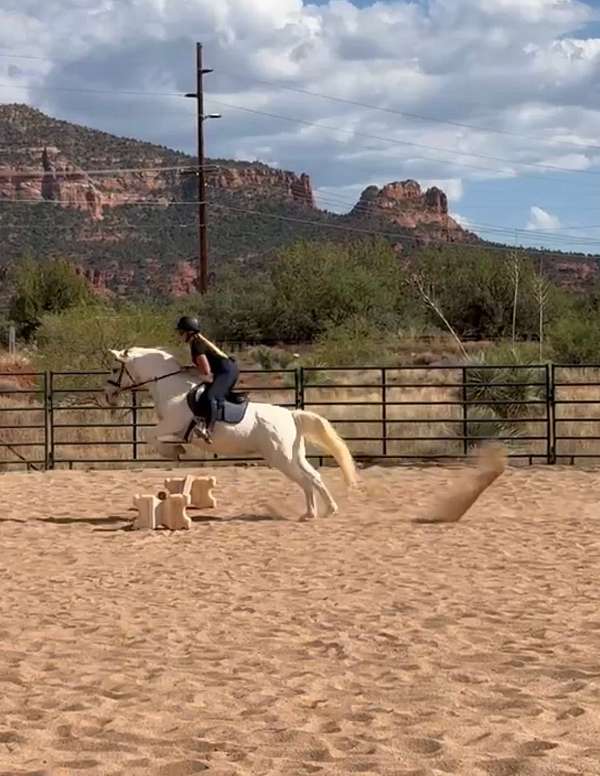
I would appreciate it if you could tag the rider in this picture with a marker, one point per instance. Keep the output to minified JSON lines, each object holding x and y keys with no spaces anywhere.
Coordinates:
{"x":219,"y":371}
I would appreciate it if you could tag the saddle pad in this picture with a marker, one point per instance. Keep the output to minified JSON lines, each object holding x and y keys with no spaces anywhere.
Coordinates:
{"x":232,"y":412}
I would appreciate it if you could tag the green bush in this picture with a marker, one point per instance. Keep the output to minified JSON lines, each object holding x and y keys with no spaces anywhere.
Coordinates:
{"x":317,"y":286}
{"x":475,"y":290}
{"x":238,"y":307}
{"x":307,"y":290}
{"x":42,"y":288}
{"x":576,"y":340}
{"x":355,"y":342}
{"x":4,"y":329}
{"x":80,"y":338}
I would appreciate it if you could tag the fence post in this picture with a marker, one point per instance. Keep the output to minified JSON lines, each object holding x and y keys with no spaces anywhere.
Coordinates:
{"x":550,"y":414}
{"x":297,"y":388}
{"x":300,"y":379}
{"x":44,"y":376}
{"x":50,"y":419}
{"x":134,"y":420}
{"x":384,"y":412}
{"x":465,"y":412}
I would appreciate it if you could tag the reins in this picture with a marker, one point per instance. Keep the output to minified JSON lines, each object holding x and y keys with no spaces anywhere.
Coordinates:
{"x":124,"y":371}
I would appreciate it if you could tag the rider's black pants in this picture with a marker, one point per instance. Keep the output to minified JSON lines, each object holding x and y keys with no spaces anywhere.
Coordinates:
{"x":215,"y":392}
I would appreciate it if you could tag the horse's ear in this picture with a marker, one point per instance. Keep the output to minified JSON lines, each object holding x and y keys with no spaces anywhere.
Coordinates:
{"x":120,"y":355}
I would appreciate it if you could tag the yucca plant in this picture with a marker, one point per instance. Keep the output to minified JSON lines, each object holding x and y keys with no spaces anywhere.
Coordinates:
{"x":503,"y":381}
{"x":484,"y":424}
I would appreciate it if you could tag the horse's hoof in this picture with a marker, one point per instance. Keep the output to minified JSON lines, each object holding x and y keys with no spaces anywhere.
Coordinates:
{"x":331,"y":511}
{"x":307,"y":518}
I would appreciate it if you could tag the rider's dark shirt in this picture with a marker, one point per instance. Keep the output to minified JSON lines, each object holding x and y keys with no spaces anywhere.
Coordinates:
{"x":200,"y":348}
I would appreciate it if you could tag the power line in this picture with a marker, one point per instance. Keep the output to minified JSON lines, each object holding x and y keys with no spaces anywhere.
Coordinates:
{"x":358,"y":207}
{"x":395,"y":141}
{"x":354,"y":133}
{"x":105,"y":171}
{"x":323,"y":225}
{"x":8,"y":54}
{"x":128,"y":92}
{"x":406,"y":114}
{"x":368,"y":208}
{"x":142,"y":202}
{"x":473,"y":227}
{"x":332,"y":98}
{"x":374,"y":232}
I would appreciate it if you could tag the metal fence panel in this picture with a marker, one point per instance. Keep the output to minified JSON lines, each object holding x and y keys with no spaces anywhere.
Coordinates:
{"x":576,"y":412}
{"x":84,"y":432}
{"x":545,"y":413}
{"x":424,"y":412}
{"x":23,"y":420}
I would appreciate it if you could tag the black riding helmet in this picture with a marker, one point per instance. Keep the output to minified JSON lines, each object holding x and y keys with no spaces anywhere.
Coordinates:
{"x":189,"y":324}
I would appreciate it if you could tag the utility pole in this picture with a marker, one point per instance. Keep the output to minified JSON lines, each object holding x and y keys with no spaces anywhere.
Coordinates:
{"x":202,"y":215}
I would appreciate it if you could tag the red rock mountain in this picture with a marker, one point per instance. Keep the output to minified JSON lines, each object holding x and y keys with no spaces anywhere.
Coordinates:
{"x":125,"y":213}
{"x":405,"y":204}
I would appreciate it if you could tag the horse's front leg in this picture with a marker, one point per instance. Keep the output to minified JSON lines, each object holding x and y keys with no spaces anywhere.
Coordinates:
{"x":172,"y":452}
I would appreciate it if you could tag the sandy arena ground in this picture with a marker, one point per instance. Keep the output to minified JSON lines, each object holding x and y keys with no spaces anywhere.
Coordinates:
{"x":254,"y":644}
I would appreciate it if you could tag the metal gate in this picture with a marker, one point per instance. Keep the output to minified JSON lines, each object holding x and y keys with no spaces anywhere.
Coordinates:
{"x":544,"y":413}
{"x":24,"y":420}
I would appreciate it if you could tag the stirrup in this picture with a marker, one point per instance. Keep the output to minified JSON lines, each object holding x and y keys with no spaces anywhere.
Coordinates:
{"x":204,"y":434}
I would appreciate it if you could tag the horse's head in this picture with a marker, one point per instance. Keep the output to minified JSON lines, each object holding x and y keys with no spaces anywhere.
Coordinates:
{"x":137,"y":367}
{"x":120,"y":378}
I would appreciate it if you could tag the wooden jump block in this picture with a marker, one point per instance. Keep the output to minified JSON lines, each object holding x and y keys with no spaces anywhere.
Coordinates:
{"x":164,"y":511}
{"x":199,"y":489}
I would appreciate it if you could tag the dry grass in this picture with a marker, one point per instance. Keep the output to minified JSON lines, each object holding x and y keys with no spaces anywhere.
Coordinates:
{"x":577,"y":412}
{"x":353,"y":402}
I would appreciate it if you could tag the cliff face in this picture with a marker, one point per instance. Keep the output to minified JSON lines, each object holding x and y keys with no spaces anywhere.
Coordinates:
{"x":404,"y":203}
{"x":260,"y":179}
{"x":112,"y":207}
{"x":47,"y":174}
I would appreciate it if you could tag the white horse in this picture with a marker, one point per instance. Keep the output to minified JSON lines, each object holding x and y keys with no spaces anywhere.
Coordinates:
{"x":274,"y":433}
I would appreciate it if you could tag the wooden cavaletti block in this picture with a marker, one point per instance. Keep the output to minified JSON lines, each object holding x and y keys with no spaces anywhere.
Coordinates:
{"x":147,"y":512}
{"x":172,"y":512}
{"x":164,"y":511}
{"x":199,"y":489}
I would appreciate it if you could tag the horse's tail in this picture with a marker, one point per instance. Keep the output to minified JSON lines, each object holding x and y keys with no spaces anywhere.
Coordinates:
{"x":320,"y":431}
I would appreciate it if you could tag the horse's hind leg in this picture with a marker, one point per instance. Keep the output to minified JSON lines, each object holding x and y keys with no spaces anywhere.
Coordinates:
{"x":301,"y":472}
{"x":287,"y":454}
{"x":318,"y":484}
{"x":293,"y":471}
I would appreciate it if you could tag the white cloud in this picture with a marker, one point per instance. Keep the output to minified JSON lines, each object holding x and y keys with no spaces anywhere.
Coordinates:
{"x":514,"y":65}
{"x":462,"y":220}
{"x":541,"y":220}
{"x":453,"y":187}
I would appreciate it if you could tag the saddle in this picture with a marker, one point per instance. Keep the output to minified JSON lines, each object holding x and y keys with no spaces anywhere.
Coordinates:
{"x":232,"y":410}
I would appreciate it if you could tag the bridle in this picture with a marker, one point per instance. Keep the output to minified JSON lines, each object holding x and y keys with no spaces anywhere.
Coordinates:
{"x":134,"y":386}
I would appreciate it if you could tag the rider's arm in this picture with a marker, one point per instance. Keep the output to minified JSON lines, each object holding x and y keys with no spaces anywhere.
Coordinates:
{"x":200,"y":360}
{"x":204,"y":366}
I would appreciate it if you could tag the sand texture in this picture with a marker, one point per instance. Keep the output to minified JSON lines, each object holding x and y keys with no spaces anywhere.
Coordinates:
{"x":255,"y":644}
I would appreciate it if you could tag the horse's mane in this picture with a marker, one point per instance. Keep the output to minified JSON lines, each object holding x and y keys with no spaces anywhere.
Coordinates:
{"x":168,"y":352}
{"x":171,"y":354}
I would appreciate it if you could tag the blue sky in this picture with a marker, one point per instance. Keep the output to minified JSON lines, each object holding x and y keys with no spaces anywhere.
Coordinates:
{"x":495,"y":101}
